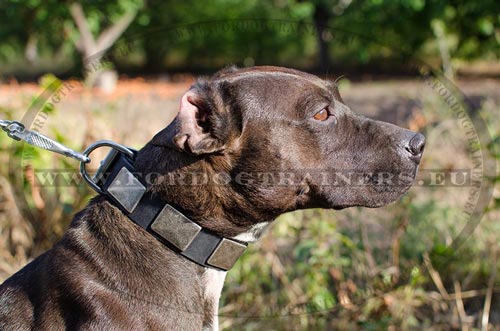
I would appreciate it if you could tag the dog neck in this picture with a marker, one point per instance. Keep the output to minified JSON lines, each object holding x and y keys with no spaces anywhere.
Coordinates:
{"x":195,"y":185}
{"x":209,"y":204}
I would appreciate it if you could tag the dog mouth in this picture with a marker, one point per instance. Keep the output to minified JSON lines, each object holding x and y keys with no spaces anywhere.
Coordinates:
{"x":384,"y":181}
{"x":368,"y":188}
{"x":386,"y":187}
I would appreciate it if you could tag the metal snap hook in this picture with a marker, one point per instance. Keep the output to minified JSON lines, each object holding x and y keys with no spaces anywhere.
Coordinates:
{"x":101,"y":143}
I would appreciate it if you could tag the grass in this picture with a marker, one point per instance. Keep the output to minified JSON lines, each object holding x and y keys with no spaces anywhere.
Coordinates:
{"x":359,"y":269}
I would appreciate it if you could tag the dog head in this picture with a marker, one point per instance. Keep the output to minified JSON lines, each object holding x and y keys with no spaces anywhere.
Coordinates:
{"x":265,"y":140}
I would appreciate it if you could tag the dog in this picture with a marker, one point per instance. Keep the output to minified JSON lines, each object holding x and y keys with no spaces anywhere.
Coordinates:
{"x":107,"y":273}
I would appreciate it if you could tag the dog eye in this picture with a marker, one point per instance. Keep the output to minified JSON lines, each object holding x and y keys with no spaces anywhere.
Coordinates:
{"x":322,"y":115}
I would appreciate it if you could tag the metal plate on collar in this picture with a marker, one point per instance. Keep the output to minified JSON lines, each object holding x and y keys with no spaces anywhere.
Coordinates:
{"x":126,"y":189}
{"x":226,"y":254}
{"x":175,"y":227}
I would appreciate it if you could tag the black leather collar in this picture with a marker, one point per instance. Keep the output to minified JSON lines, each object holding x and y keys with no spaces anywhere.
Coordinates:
{"x":117,"y":179}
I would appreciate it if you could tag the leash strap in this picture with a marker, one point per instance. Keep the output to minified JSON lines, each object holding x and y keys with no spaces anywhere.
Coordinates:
{"x":117,"y":179}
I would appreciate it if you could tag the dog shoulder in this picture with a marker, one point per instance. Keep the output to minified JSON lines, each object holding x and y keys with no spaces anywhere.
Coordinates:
{"x":18,"y":295}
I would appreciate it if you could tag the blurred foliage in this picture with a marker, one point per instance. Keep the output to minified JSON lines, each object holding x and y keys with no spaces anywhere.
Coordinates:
{"x":194,"y":35}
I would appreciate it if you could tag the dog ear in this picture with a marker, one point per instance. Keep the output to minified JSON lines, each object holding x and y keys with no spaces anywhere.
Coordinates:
{"x":194,"y":130}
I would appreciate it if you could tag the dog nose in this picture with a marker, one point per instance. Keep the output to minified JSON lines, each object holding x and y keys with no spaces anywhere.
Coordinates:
{"x":415,"y":146}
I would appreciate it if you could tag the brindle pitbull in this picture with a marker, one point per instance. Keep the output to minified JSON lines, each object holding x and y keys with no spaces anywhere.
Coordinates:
{"x":109,"y":274}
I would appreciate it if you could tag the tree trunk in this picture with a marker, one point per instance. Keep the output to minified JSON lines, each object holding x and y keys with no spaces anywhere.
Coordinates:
{"x":97,"y":71}
{"x":321,"y":18}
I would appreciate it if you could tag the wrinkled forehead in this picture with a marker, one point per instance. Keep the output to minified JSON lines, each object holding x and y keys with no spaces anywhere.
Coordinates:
{"x":281,"y":93}
{"x":283,"y":76}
